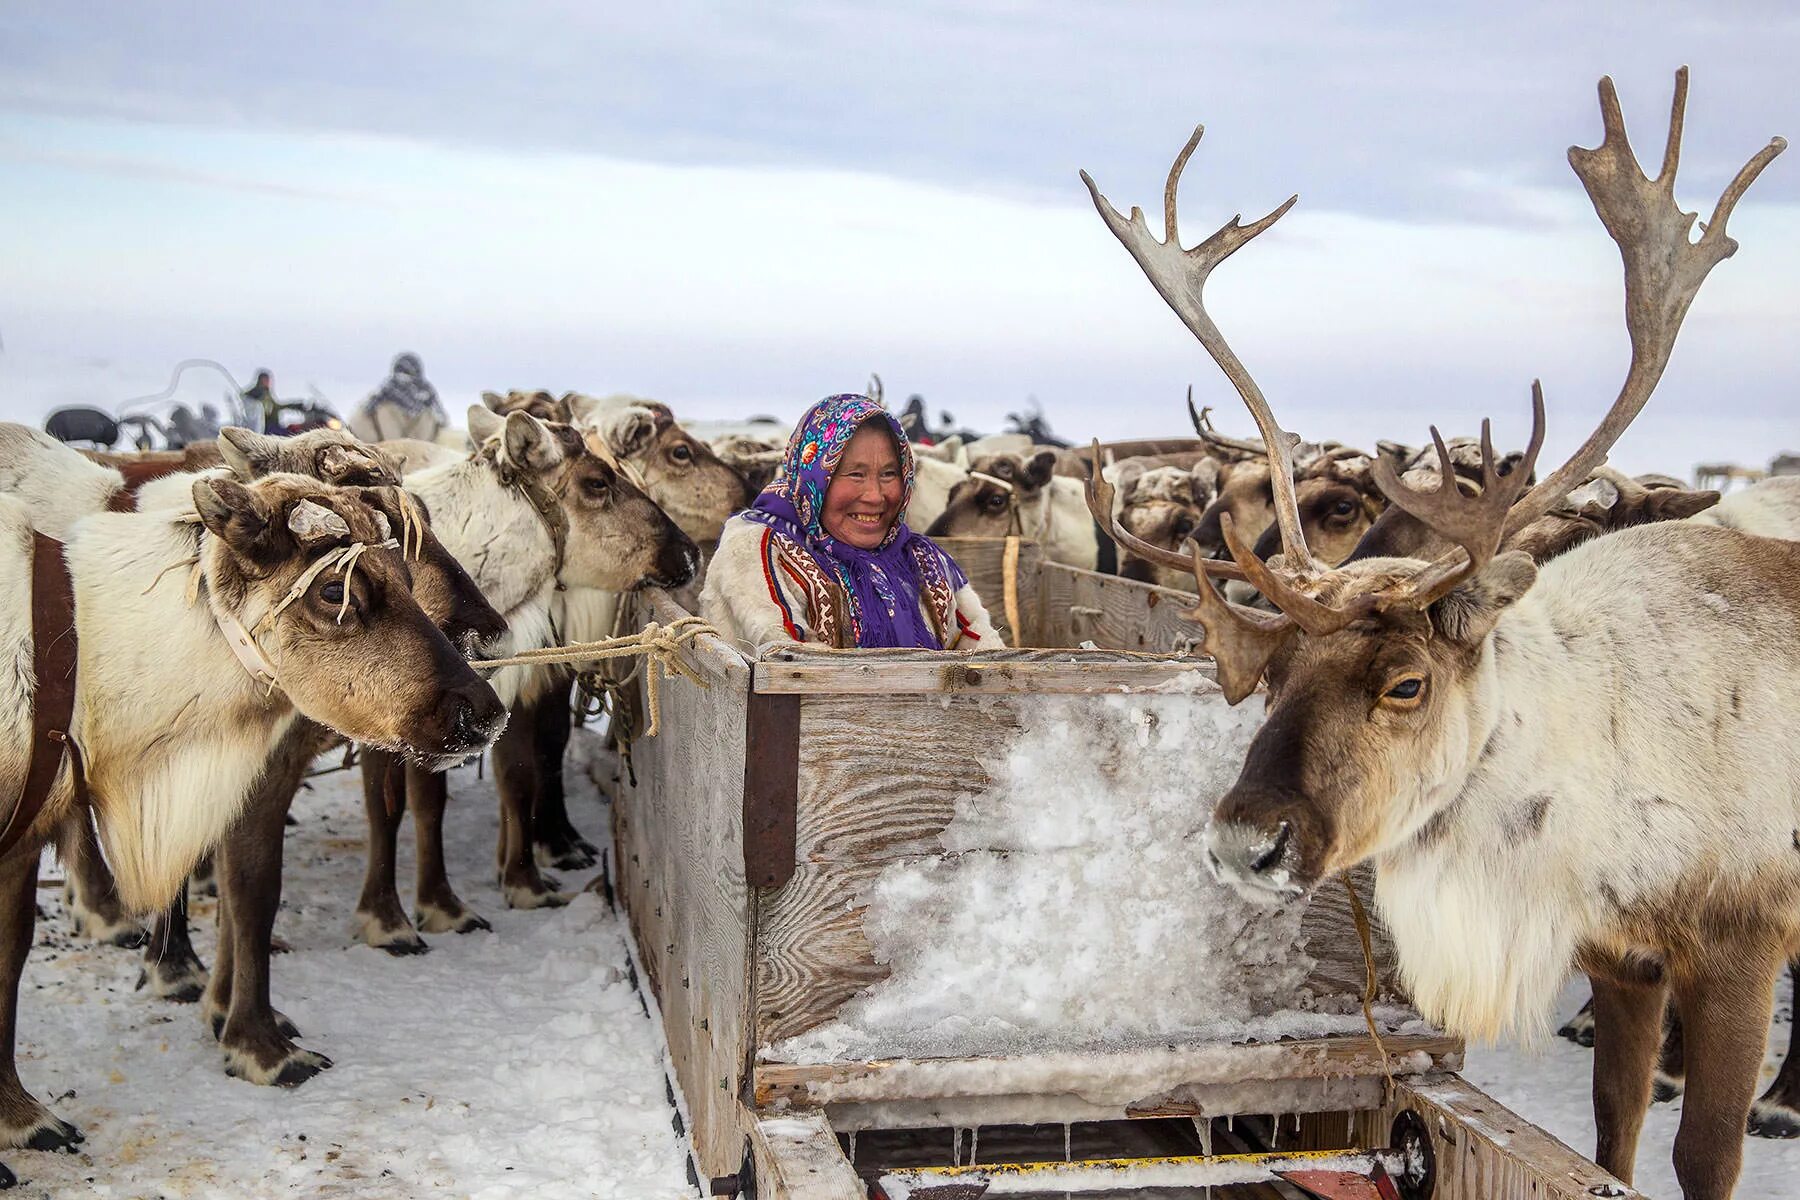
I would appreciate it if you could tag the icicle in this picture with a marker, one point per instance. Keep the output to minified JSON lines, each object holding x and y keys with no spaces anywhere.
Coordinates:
{"x":1066,"y":1156}
{"x":1203,"y":1127}
{"x":1228,"y":1121}
{"x":853,"y":1147}
{"x":974,"y":1140}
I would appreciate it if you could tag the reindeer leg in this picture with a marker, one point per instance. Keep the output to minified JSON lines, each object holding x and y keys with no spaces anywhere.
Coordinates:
{"x":380,"y":920}
{"x":256,"y":1040}
{"x":172,"y":971}
{"x":1627,"y":1032}
{"x":89,"y":892}
{"x":515,"y":777}
{"x":1725,"y":1010}
{"x":557,"y":842}
{"x":23,"y":1121}
{"x":1777,"y":1113}
{"x":440,"y":909}
{"x":203,"y":882}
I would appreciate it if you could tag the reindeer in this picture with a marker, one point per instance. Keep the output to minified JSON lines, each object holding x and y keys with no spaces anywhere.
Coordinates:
{"x":1010,"y":493}
{"x":531,"y":511}
{"x":1161,"y":505}
{"x":1434,"y":717}
{"x":299,"y":608}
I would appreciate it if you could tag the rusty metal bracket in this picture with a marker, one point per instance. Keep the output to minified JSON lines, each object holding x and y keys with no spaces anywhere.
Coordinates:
{"x":771,"y":787}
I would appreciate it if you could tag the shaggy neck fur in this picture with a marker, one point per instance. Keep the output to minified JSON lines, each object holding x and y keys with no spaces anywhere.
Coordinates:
{"x":172,"y":730}
{"x":1627,"y":753}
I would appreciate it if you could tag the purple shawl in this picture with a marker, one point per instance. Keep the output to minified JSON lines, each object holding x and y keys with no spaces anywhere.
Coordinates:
{"x":883,"y":586}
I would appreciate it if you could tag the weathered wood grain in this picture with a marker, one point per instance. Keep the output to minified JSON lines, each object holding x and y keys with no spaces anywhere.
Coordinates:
{"x":1133,"y":1078}
{"x":1484,"y":1150}
{"x":798,"y":1158}
{"x":811,"y":953}
{"x":1079,"y":672}
{"x":982,"y":559}
{"x":1077,"y":606}
{"x":679,"y":850}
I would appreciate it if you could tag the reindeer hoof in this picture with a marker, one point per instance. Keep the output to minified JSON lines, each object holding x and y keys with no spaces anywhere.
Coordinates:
{"x":1580,"y":1027}
{"x":179,"y":987}
{"x":435,"y":919}
{"x":572,"y":856}
{"x":293,"y":1069}
{"x":526,"y":896}
{"x":288,"y":1029}
{"x":392,"y":934}
{"x":406,"y":949}
{"x":302,"y":1067}
{"x":1769,"y":1119}
{"x":53,"y":1133}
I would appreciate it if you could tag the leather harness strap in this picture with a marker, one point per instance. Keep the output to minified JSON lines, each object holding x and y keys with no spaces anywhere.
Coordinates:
{"x":53,"y":651}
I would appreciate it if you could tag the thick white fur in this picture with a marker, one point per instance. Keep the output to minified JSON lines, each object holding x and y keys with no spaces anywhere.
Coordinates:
{"x":736,"y":597}
{"x":1057,"y":518}
{"x":932,"y":480}
{"x":172,"y":729}
{"x":1769,"y":508}
{"x":1656,"y":716}
{"x":56,"y":482}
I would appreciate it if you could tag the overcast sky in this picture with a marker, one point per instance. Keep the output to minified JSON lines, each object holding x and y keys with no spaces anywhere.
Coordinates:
{"x":738,"y":208}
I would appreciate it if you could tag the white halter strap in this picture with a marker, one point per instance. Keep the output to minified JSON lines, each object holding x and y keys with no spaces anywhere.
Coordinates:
{"x":244,"y":641}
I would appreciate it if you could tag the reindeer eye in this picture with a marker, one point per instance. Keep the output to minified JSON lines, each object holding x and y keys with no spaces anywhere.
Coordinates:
{"x":1181,"y":529}
{"x":1407,"y":690}
{"x":596,"y":487}
{"x":994,"y":502}
{"x":681,"y":454}
{"x":332,"y":593}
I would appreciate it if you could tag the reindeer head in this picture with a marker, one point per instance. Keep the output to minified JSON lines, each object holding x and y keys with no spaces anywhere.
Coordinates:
{"x":997,"y":487}
{"x":1162,"y":505}
{"x":540,"y":404}
{"x":442,"y":587}
{"x":679,"y":471}
{"x":605,"y":532}
{"x":332,"y":455}
{"x":1378,"y":672}
{"x":327,"y":608}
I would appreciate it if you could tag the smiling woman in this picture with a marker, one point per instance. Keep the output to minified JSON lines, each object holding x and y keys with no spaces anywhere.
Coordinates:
{"x":825,"y":554}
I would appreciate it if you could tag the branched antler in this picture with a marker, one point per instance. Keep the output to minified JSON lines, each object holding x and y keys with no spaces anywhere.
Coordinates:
{"x":1664,"y":268}
{"x":1239,"y":640}
{"x":1202,"y":419}
{"x":1179,"y":276}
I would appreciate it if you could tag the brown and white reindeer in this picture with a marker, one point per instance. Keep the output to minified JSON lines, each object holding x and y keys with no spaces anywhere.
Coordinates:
{"x":1436,"y":718}
{"x":532,"y":511}
{"x":1021,"y":493}
{"x":200,"y":643}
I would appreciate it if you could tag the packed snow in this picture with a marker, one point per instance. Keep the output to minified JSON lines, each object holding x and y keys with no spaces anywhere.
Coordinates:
{"x":1072,"y":905}
{"x":518,"y":1063}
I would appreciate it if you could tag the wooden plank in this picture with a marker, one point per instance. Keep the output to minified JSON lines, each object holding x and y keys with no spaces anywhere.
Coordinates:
{"x":1131,"y":1078}
{"x":1077,"y":606}
{"x":679,"y":851}
{"x":983,"y":559}
{"x":1484,"y":1150}
{"x":955,"y":673}
{"x":798,"y":1157}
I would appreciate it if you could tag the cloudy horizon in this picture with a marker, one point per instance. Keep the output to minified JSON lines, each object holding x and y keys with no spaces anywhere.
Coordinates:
{"x":738,"y":208}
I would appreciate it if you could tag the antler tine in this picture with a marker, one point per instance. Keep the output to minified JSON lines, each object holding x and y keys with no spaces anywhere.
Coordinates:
{"x":1179,"y":277}
{"x":1202,"y":419}
{"x":1239,"y":640}
{"x":1316,"y":618}
{"x":1664,"y":268}
{"x":1477,"y":524}
{"x":1100,"y":494}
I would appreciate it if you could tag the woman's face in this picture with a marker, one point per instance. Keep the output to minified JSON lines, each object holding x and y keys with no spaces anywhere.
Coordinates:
{"x":863,"y":500}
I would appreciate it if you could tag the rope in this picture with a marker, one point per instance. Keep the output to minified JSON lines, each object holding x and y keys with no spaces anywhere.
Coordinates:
{"x":1370,"y":982}
{"x":659,"y":645}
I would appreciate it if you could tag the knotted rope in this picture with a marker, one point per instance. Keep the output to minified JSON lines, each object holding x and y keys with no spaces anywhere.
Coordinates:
{"x":1371,"y":982}
{"x":659,"y":646}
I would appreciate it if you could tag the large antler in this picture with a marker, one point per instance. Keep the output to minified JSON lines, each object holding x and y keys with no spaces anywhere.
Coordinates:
{"x":1179,"y":276}
{"x":1100,"y":502}
{"x":1664,"y":268}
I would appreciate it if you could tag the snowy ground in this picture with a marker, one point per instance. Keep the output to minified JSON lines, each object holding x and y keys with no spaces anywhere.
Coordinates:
{"x":1550,"y":1088}
{"x":517,"y":1063}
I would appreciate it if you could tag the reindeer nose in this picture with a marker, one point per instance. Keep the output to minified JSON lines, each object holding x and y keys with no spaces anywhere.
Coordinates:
{"x":1255,"y":859}
{"x":478,"y":715}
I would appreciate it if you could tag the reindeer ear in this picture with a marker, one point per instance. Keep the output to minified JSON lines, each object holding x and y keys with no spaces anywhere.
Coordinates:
{"x":1676,"y":504}
{"x":236,"y":515}
{"x":628,"y":431}
{"x":1040,"y":468}
{"x":494,"y":402}
{"x":483,"y":423}
{"x":246,"y":452}
{"x":1205,"y":477}
{"x":1468,"y":614}
{"x":314,"y":524}
{"x":529,"y":442}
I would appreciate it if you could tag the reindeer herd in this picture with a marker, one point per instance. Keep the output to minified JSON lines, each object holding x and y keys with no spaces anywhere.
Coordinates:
{"x":1554,"y":710}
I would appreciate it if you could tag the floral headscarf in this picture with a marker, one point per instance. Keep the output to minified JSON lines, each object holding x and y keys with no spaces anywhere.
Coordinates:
{"x":883,"y":587}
